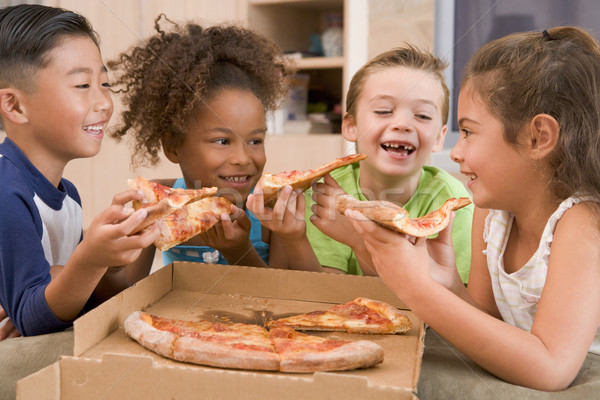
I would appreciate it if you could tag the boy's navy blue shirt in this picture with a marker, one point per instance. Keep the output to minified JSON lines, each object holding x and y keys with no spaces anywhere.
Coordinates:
{"x":40,"y":226}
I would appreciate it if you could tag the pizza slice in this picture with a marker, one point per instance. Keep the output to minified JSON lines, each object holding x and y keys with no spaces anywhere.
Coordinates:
{"x":191,"y":220}
{"x":271,"y":184}
{"x":239,"y":346}
{"x":393,"y":216}
{"x":161,"y":201}
{"x":299,"y":352}
{"x":361,"y":315}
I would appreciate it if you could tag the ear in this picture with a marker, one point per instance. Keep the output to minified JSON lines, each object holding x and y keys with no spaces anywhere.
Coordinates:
{"x":544,"y":133}
{"x":10,"y":106}
{"x":349,"y":129}
{"x":170,"y":152}
{"x":439,"y":144}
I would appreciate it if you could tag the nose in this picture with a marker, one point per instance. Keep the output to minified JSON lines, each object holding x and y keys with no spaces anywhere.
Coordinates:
{"x":241,"y":155}
{"x":401,"y":122}
{"x":102,"y":100}
{"x":456,"y":152}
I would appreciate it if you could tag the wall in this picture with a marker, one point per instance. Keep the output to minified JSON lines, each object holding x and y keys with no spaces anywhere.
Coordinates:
{"x":120,"y":24}
{"x":386,"y":23}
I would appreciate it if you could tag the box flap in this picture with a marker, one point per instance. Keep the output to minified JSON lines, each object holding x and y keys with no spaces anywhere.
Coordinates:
{"x":281,"y":284}
{"x":44,"y":384}
{"x":101,"y":321}
{"x":120,"y":377}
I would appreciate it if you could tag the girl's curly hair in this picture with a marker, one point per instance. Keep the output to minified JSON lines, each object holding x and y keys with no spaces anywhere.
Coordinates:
{"x":166,"y":80}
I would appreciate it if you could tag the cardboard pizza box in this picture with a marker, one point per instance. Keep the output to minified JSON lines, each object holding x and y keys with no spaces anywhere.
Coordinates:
{"x":107,"y":364}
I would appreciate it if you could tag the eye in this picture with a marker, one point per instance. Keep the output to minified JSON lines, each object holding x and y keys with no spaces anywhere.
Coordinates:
{"x":222,"y":141}
{"x":465,"y":132}
{"x":106,"y":85}
{"x":83,"y":86}
{"x":256,"y":141}
{"x":383,"y":112}
{"x":424,"y":117}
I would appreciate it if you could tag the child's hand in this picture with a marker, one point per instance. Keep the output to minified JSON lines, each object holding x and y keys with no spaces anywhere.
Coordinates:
{"x":286,"y":218}
{"x":326,"y":217}
{"x":443,"y":259}
{"x":231,"y":233}
{"x":402,"y":261}
{"x":7,"y":328}
{"x":107,"y":241}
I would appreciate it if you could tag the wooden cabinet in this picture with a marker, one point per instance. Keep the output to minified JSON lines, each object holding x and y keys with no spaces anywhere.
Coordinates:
{"x":297,"y":25}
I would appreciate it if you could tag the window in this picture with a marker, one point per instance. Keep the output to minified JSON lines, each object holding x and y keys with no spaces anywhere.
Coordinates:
{"x":462,"y":26}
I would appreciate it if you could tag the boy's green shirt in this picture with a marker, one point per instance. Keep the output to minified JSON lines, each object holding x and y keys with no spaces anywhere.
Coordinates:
{"x":435,"y":187}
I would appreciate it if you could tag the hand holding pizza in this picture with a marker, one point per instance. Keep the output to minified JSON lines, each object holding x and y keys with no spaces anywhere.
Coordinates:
{"x":403,"y":261}
{"x":286,"y":218}
{"x":109,"y":240}
{"x":325,"y":216}
{"x":231,"y":235}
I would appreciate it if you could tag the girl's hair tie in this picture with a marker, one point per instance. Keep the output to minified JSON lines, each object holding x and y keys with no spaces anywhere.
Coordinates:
{"x":546,"y":35}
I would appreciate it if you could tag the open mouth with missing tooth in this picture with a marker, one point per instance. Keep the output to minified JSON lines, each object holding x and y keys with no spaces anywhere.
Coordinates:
{"x":399,"y":149}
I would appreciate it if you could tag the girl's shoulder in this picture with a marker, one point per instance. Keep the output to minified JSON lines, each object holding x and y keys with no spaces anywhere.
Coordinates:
{"x":578,"y":214}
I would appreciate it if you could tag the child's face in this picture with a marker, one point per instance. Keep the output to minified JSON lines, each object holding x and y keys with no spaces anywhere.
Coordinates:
{"x":398,"y":121}
{"x":497,"y":171}
{"x":70,"y":107}
{"x":225,"y":145}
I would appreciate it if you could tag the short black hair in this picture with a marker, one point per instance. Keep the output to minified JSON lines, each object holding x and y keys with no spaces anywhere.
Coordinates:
{"x":27,"y":33}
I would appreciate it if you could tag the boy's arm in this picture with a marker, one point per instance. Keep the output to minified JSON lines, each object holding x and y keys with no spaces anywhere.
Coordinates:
{"x":335,"y":225}
{"x":107,"y":243}
{"x":117,"y":279}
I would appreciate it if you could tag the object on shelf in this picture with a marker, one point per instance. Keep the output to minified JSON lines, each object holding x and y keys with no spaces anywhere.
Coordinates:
{"x":275,"y":121}
{"x":316,"y":47}
{"x":332,"y":39}
{"x":297,"y":96}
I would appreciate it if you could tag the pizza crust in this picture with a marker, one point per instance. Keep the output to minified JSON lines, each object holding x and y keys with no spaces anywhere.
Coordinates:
{"x":394,"y":217}
{"x":272,"y":184}
{"x":300,"y":352}
{"x":354,"y":355}
{"x":221,"y":355}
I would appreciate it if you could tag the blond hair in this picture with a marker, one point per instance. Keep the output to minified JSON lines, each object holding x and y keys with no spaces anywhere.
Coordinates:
{"x":410,"y":57}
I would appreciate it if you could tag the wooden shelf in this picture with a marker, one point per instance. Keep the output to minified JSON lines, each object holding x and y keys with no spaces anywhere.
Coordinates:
{"x":315,"y":4}
{"x":319,"y":62}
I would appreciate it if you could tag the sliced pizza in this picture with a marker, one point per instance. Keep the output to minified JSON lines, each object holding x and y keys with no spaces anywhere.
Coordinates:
{"x":161,"y":201}
{"x":271,"y":184}
{"x":299,"y":352}
{"x":246,"y":346}
{"x":393,"y":216}
{"x":239,"y":346}
{"x":191,"y":220}
{"x":361,"y":315}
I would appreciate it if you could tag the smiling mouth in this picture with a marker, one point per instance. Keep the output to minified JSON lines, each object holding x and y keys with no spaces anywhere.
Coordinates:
{"x":398,"y":149}
{"x":93,"y":129}
{"x":236,"y":179}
